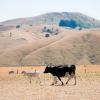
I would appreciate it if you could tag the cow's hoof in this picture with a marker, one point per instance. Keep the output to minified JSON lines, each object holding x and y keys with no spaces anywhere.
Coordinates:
{"x":52,"y":84}
{"x":62,"y":84}
{"x":59,"y":85}
{"x":66,"y":83}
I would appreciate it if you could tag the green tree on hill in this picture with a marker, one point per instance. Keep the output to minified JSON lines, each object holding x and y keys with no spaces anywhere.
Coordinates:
{"x":68,"y":23}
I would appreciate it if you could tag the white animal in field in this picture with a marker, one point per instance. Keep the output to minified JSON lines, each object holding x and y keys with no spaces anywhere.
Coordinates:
{"x":31,"y":74}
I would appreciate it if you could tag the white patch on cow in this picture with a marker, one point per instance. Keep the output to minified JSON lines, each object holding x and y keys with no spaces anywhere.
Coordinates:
{"x":67,"y":74}
{"x":69,"y":65}
{"x":48,"y":66}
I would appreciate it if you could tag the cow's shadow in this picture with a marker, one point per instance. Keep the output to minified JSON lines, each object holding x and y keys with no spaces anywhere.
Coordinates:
{"x":63,"y":85}
{"x":58,"y":85}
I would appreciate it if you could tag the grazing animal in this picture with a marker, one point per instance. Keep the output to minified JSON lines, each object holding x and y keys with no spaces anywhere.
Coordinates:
{"x":11,"y":72}
{"x":23,"y":72}
{"x":31,"y":74}
{"x":61,"y":71}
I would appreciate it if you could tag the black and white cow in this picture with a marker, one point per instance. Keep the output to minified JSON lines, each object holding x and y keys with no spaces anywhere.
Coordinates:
{"x":61,"y":71}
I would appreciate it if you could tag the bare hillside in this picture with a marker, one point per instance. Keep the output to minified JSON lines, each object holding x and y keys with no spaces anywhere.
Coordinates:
{"x":29,"y":46}
{"x":74,"y":47}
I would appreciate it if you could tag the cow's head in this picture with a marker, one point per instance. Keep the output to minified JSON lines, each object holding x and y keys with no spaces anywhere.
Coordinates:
{"x":47,"y":69}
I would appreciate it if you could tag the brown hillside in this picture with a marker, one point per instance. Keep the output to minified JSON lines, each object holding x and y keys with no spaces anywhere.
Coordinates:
{"x":28,"y":46}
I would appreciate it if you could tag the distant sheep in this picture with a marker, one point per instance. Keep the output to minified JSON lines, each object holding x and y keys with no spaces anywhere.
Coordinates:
{"x":23,"y":72}
{"x":11,"y":72}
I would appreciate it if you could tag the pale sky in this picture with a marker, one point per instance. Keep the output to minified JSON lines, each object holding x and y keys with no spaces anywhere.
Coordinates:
{"x":11,"y":9}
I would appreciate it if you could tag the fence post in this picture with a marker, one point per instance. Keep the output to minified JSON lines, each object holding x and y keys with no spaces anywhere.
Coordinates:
{"x":85,"y":68}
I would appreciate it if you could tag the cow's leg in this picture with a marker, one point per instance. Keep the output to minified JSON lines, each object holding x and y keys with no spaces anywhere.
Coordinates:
{"x":38,"y":77}
{"x":54,"y":80}
{"x":61,"y":81}
{"x":29,"y":77}
{"x":74,"y":76}
{"x":75,"y":79}
{"x":69,"y":77}
{"x":30,"y":80}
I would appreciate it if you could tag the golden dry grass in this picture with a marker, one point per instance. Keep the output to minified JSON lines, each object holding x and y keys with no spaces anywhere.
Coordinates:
{"x":17,"y":87}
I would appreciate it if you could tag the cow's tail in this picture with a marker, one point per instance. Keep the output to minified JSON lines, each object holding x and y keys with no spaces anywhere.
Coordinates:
{"x":73,"y":68}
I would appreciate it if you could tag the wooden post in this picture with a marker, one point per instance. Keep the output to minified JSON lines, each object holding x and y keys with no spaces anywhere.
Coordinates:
{"x":85,"y":68}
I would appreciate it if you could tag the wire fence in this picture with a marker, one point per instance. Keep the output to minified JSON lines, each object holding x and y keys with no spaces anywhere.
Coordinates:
{"x":79,"y":69}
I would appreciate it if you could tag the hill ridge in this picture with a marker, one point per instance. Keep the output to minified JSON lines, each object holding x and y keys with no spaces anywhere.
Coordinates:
{"x":82,"y":20}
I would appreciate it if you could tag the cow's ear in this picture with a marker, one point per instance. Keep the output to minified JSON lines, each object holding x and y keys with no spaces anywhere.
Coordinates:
{"x":46,"y":65}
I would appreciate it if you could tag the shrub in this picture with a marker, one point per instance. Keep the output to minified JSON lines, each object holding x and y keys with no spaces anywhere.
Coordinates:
{"x":18,"y":26}
{"x":68,"y":23}
{"x":47,"y":35}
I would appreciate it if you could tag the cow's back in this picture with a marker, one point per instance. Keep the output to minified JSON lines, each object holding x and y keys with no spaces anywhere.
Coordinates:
{"x":67,"y":68}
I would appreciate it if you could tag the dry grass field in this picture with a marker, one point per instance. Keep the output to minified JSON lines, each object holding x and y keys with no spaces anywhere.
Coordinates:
{"x":17,"y":86}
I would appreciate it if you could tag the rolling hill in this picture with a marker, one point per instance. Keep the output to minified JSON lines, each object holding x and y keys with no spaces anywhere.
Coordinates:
{"x":82,"y":20}
{"x":27,"y":44}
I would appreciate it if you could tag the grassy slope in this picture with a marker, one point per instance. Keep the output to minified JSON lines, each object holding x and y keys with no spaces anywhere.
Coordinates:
{"x":27,"y":46}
